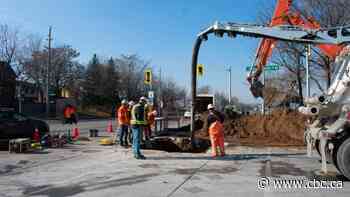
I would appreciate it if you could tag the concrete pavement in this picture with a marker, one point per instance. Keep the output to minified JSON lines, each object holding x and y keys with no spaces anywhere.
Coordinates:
{"x":88,"y":169}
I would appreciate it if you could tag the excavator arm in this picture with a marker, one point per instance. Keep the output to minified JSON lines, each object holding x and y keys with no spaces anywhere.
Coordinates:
{"x":284,"y":15}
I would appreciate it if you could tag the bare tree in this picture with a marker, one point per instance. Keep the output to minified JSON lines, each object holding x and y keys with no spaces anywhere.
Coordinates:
{"x":9,"y":43}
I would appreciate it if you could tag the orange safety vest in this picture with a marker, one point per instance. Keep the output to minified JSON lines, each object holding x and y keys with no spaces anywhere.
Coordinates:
{"x":151,"y":118}
{"x":67,"y":112}
{"x":123,"y":117}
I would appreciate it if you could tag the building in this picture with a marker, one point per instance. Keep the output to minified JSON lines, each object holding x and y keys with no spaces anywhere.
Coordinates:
{"x":7,"y":85}
{"x":29,"y":92}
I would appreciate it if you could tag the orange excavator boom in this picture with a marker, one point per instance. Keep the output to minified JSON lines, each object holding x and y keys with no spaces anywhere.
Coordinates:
{"x":283,"y":16}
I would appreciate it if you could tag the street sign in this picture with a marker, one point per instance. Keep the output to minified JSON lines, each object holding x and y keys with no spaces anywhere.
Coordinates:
{"x":148,"y":76}
{"x":271,"y":67}
{"x":150,"y":94}
{"x":200,"y":69}
{"x":151,"y":97}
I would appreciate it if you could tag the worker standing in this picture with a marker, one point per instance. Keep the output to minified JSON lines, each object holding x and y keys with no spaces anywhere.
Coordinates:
{"x":123,"y":120}
{"x":216,"y":132}
{"x":147,"y":130}
{"x":138,"y":120}
{"x":130,"y":106}
{"x":70,"y":118}
{"x":151,"y":116}
{"x":69,"y":114}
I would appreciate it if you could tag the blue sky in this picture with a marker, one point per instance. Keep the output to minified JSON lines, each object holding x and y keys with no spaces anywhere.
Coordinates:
{"x":158,"y":30}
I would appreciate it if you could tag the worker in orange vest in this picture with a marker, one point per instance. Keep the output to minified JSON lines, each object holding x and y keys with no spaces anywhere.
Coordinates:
{"x":216,"y":131}
{"x":124,"y":122}
{"x":69,"y":114}
{"x":70,"y":118}
{"x":151,"y":116}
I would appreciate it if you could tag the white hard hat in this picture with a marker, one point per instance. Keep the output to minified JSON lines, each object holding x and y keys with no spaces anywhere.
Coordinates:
{"x":124,"y":102}
{"x":211,"y":106}
{"x":143,"y":99}
{"x":131,"y":103}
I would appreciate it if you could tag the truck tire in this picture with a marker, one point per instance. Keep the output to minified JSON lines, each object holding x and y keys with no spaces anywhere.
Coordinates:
{"x":343,"y":158}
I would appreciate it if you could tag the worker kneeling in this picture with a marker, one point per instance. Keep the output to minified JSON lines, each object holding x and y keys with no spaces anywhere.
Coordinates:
{"x":216,"y":131}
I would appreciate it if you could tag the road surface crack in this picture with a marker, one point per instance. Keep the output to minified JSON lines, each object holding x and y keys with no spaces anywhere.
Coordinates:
{"x":187,"y":179}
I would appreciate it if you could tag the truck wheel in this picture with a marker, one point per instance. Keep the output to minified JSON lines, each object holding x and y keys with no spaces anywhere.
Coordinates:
{"x":343,"y":158}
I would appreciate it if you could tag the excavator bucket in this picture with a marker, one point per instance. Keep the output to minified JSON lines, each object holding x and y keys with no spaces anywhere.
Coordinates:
{"x":257,"y":89}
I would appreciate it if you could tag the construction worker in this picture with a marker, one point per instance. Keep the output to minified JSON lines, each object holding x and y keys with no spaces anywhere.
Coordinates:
{"x":69,"y":114}
{"x":138,"y":121}
{"x":216,"y":132}
{"x":124,"y":121}
{"x":70,"y":119}
{"x":147,"y":129}
{"x":151,"y":116}
{"x":130,"y":106}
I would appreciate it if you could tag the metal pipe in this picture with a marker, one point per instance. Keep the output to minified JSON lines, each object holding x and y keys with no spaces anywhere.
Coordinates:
{"x":194,"y":63}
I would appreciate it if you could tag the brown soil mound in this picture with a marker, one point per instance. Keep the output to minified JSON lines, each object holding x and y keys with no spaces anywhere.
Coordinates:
{"x":280,"y":128}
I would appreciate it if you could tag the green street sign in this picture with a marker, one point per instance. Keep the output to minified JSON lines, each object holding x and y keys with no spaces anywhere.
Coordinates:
{"x":271,"y":67}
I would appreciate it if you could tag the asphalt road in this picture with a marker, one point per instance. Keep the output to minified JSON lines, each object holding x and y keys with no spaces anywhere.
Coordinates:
{"x":86,"y":125}
{"x":88,"y":169}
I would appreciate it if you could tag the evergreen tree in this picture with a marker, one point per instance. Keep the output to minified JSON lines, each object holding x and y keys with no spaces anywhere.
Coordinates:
{"x":92,"y":84}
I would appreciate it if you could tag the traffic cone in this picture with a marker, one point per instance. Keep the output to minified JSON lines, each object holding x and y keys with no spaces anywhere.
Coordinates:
{"x":36,"y":135}
{"x":76,"y":133}
{"x":110,"y":127}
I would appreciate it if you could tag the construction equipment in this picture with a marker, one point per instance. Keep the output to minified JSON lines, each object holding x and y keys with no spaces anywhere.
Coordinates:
{"x":283,"y":15}
{"x":107,"y":141}
{"x":333,"y":137}
{"x":202,"y":102}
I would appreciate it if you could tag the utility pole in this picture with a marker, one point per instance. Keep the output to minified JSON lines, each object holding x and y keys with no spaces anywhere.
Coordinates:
{"x":229,"y":84}
{"x":160,"y":101}
{"x":263,"y":103}
{"x":47,"y":73}
{"x":307,"y":56}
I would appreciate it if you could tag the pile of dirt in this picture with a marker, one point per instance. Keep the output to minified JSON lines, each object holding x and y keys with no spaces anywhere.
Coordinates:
{"x":280,"y":128}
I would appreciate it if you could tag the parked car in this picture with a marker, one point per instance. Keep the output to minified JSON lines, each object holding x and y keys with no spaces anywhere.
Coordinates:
{"x":15,"y":125}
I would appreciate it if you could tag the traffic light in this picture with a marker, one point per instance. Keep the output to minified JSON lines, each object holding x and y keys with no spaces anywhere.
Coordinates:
{"x":200,"y":69}
{"x":148,"y":76}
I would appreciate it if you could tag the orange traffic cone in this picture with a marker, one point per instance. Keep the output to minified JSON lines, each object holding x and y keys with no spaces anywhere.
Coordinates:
{"x":110,"y":127}
{"x":76,"y":133}
{"x":36,"y":135}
